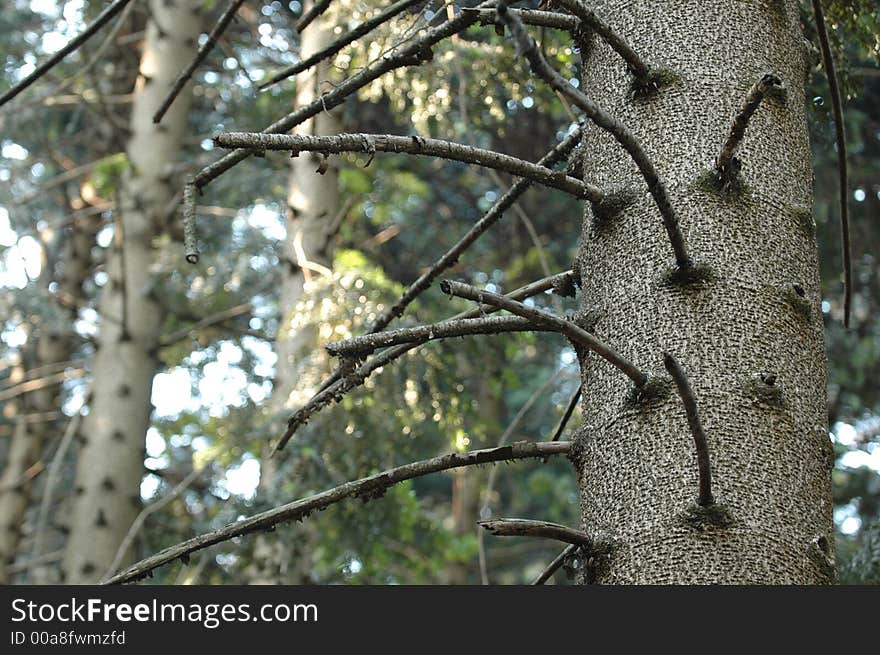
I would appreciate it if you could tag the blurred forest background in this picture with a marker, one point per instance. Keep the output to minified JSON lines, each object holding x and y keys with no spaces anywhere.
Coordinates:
{"x":62,"y":163}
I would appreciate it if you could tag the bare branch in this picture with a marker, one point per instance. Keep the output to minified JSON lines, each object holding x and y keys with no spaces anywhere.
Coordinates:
{"x":40,"y":383}
{"x":190,"y":238}
{"x":368,"y":343}
{"x":418,"y":51}
{"x":412,"y":145}
{"x":366,"y":488}
{"x":551,"y":19}
{"x":690,"y":407}
{"x":313,"y":12}
{"x":349,"y":37}
{"x":527,"y":46}
{"x":578,"y":335}
{"x":333,"y":391}
{"x":637,"y":67}
{"x":843,"y":173}
{"x":103,"y":18}
{"x":540,"y":529}
{"x":203,"y":52}
{"x":726,"y":165}
{"x":572,"y":404}
{"x":208,"y":321}
{"x":558,"y":561}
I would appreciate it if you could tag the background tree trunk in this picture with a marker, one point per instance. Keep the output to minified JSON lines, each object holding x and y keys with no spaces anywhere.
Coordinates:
{"x":110,"y":465}
{"x":770,"y":451}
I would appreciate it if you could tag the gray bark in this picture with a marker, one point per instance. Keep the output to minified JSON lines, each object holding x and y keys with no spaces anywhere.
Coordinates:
{"x":110,"y":465}
{"x":754,"y":310}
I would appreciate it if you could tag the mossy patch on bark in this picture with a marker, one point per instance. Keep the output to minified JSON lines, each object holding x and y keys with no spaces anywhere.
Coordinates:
{"x":733,"y":189}
{"x":795,"y":298}
{"x":759,"y":391}
{"x":700,"y":518}
{"x":657,"y":79}
{"x":803,"y":219}
{"x":694,"y":277}
{"x":655,"y":390}
{"x":606,"y":212}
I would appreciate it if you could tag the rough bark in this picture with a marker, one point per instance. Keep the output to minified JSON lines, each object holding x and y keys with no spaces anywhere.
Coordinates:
{"x":110,"y":465}
{"x":307,"y":254}
{"x":747,"y":328}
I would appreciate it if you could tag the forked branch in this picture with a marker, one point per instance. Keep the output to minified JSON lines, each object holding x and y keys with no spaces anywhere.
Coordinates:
{"x":577,"y":334}
{"x":704,"y":499}
{"x":366,"y":488}
{"x":557,"y":562}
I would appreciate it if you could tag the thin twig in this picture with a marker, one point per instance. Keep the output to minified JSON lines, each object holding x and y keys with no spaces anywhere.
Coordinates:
{"x":750,"y":104}
{"x":577,"y":334}
{"x":552,"y":19}
{"x":368,"y":343}
{"x":313,"y":12}
{"x":208,"y":321}
{"x":203,"y":52}
{"x":366,"y":488}
{"x":103,"y":18}
{"x":572,"y":404}
{"x":558,"y":561}
{"x":411,"y":145}
{"x":349,"y":37}
{"x":333,"y":392}
{"x":690,"y":407}
{"x":540,"y":529}
{"x":843,"y":173}
{"x":152,"y":508}
{"x":527,"y":46}
{"x":190,"y":238}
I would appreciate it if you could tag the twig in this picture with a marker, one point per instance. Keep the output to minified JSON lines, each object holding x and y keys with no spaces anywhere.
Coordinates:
{"x":690,"y":407}
{"x":103,"y":18}
{"x":552,"y":19}
{"x":48,"y":558}
{"x":843,"y":173}
{"x":152,"y":508}
{"x":40,"y":383}
{"x":203,"y":52}
{"x":413,"y":54}
{"x":412,"y":145}
{"x":190,"y":239}
{"x":540,"y":529}
{"x":636,"y":65}
{"x":368,"y":343}
{"x":208,"y":321}
{"x":568,"y":412}
{"x":349,"y":37}
{"x":333,"y":392}
{"x":578,"y":335}
{"x":526,"y":45}
{"x":365,"y":488}
{"x":553,"y":566}
{"x":318,"y":8}
{"x":723,"y":168}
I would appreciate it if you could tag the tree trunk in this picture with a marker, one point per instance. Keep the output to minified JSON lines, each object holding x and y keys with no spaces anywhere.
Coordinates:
{"x":110,"y":466}
{"x":307,"y":255}
{"x":756,"y":317}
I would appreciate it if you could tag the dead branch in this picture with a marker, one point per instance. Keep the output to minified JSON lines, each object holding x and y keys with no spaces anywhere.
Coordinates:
{"x":333,"y":391}
{"x":313,"y":12}
{"x":552,"y":19}
{"x":349,"y":37}
{"x":208,"y":321}
{"x":558,"y":561}
{"x":190,"y":238}
{"x":690,"y":407}
{"x":366,"y":488}
{"x":526,"y":45}
{"x":204,"y":51}
{"x":411,"y":145}
{"x":361,"y":346}
{"x":725,"y":166}
{"x":569,"y":410}
{"x":103,"y":18}
{"x":540,"y":529}
{"x":843,"y":173}
{"x":578,"y":335}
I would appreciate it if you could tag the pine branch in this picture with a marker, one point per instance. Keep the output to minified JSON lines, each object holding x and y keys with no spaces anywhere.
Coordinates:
{"x":331,"y":392}
{"x":540,"y":529}
{"x":704,"y":499}
{"x":220,"y":27}
{"x":636,"y":66}
{"x":361,"y":346}
{"x":578,"y":335}
{"x":843,"y":173}
{"x":418,"y":51}
{"x":349,"y":37}
{"x":526,"y":46}
{"x":103,"y":18}
{"x":558,"y":561}
{"x":313,"y":12}
{"x":726,"y":165}
{"x":366,"y":488}
{"x":412,"y":145}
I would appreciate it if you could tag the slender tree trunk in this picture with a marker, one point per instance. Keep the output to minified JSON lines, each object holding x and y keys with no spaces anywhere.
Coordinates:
{"x":307,"y":255}
{"x":110,"y":466}
{"x":750,"y":337}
